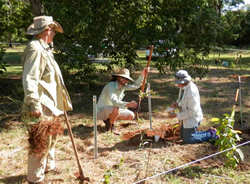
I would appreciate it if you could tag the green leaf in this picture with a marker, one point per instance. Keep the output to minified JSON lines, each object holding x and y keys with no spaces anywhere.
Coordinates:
{"x":228,"y":125}
{"x":237,"y":131}
{"x":237,"y":137}
{"x":241,"y":154}
{"x":220,"y":141}
{"x":233,"y":112}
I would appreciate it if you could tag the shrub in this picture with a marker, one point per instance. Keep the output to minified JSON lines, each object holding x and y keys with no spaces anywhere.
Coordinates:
{"x":229,"y":138}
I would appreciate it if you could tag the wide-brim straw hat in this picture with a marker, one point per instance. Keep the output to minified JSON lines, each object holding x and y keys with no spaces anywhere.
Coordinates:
{"x":41,"y":23}
{"x":123,"y":73}
{"x":182,"y":77}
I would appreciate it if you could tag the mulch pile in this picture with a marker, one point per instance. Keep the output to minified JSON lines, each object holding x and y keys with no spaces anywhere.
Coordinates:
{"x":39,"y":135}
{"x":166,"y":132}
{"x":242,"y":77}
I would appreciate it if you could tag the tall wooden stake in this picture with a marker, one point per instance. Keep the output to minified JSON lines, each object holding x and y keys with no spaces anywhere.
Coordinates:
{"x":144,"y":79}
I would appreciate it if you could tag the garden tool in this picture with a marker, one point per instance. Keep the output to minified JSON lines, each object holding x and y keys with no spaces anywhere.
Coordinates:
{"x":79,"y":175}
{"x":144,"y":79}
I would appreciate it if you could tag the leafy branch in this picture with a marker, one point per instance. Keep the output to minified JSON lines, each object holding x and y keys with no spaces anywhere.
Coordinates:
{"x":2,"y":64}
{"x":144,"y":94}
{"x":229,"y":138}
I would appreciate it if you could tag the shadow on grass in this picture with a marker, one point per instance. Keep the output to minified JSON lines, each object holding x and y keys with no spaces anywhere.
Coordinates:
{"x":14,"y":179}
{"x":220,"y":95}
{"x":83,"y":132}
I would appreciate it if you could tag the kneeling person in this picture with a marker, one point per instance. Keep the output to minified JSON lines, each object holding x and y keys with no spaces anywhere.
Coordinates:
{"x":190,"y":111}
{"x":110,"y":106}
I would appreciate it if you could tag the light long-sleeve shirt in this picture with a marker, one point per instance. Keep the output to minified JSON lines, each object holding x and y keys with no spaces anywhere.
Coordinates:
{"x":112,"y":96}
{"x":42,"y":80}
{"x":191,"y":113}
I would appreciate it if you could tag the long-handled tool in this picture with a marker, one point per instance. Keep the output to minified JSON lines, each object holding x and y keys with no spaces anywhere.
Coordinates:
{"x":145,"y":76}
{"x":79,"y":175}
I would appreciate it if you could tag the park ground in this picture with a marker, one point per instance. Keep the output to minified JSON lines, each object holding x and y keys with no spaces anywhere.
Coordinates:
{"x":128,"y":161}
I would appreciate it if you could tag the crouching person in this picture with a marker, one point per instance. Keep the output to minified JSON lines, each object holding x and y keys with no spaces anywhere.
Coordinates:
{"x":110,"y":106}
{"x":190,"y":113}
{"x":45,"y":96}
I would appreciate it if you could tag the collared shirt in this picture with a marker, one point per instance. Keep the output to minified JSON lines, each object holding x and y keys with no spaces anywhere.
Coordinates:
{"x":112,"y":96}
{"x":42,"y":80}
{"x":191,"y":113}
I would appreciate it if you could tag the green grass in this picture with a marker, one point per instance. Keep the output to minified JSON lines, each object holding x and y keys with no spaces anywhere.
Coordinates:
{"x":12,"y":58}
{"x":244,"y":62}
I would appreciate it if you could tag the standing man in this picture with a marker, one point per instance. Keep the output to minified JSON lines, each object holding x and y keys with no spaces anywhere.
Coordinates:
{"x":110,"y":106}
{"x":45,"y":95}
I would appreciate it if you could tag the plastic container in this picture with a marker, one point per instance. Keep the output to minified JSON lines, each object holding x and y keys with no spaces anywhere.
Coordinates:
{"x":157,"y":137}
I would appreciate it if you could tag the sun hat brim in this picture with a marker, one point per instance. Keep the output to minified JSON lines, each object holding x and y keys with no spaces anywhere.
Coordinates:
{"x":179,"y":80}
{"x":122,"y":75}
{"x":32,"y":31}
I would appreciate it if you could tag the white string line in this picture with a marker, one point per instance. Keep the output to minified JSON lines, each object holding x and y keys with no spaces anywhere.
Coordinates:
{"x":191,"y":163}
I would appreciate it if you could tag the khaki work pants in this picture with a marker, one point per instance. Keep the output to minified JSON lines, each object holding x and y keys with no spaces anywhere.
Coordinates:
{"x":37,"y":165}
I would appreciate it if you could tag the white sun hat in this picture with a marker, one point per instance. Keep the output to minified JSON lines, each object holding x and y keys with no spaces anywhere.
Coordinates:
{"x":41,"y":23}
{"x":123,"y":73}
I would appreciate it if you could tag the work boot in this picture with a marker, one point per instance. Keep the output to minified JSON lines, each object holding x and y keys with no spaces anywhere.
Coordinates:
{"x":107,"y":123}
{"x":114,"y":130}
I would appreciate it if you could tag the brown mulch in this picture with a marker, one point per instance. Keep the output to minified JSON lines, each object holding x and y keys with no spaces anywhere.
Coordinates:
{"x":39,"y":135}
{"x":242,"y":77}
{"x":167,"y":132}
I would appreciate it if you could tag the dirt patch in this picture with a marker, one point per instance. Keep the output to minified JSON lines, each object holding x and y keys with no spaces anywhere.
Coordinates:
{"x":166,"y":132}
{"x":242,"y":77}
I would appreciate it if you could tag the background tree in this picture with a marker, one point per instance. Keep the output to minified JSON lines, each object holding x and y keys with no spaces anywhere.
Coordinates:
{"x":37,"y":7}
{"x":235,"y":20}
{"x":15,"y":15}
{"x":219,"y":5}
{"x":119,"y":28}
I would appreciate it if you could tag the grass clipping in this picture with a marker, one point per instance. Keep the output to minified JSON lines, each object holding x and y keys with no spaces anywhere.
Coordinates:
{"x":39,"y":135}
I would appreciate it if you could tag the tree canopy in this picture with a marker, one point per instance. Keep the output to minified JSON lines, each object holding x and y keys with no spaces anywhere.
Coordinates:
{"x":119,"y":28}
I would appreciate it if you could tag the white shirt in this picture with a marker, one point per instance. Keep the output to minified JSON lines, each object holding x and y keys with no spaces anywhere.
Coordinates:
{"x":191,"y":113}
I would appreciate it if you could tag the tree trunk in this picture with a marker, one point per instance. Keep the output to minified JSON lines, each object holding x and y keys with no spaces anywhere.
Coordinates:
{"x":37,"y":7}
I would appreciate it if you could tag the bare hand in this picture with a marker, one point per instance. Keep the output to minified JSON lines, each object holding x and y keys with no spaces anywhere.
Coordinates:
{"x":144,"y":72}
{"x":172,"y":115}
{"x":132,"y":104}
{"x":36,"y":113}
{"x":174,"y":105}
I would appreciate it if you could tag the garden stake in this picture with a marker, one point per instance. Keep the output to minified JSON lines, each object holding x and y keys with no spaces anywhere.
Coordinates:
{"x":144,"y":79}
{"x":95,"y":126}
{"x":241,"y":115}
{"x":79,"y":175}
{"x":149,"y":106}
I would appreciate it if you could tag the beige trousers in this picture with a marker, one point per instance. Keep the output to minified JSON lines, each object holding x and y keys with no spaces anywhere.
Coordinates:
{"x":37,"y":165}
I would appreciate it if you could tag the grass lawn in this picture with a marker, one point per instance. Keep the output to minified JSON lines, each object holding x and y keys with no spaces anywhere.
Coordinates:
{"x":121,"y":161}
